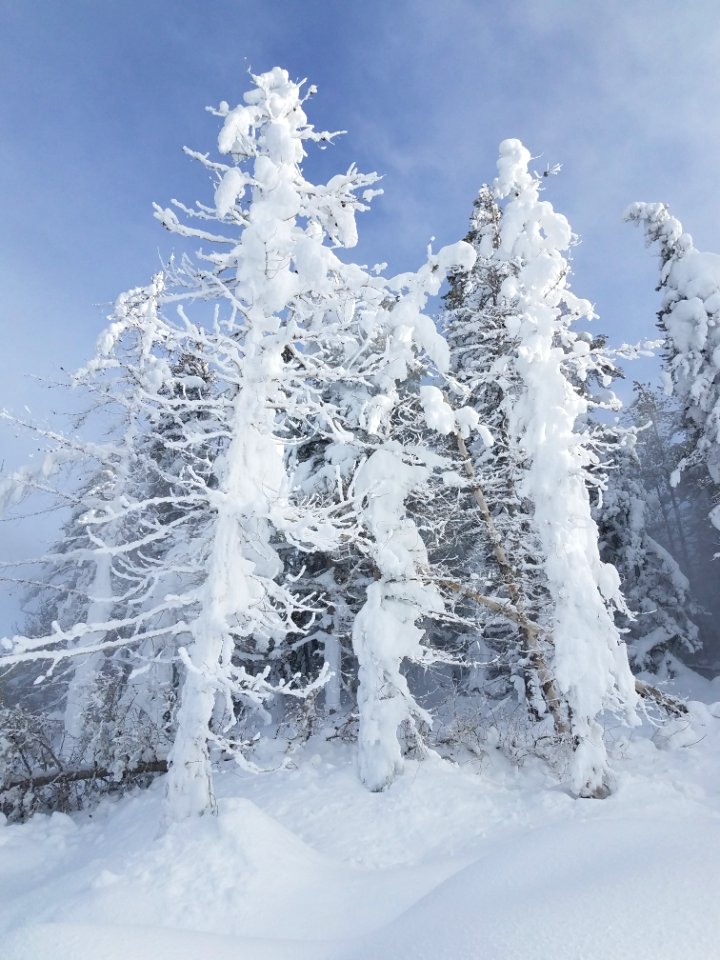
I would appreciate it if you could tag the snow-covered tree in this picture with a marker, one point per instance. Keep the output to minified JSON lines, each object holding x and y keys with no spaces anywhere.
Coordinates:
{"x":679,"y":506}
{"x":499,"y":544}
{"x":154,"y":550}
{"x":656,"y":420}
{"x":292,"y":299}
{"x":89,"y":604}
{"x":690,"y":317}
{"x":386,"y":634}
{"x":515,"y":349}
{"x":299,"y":347}
{"x":676,"y":513}
{"x":590,"y":662}
{"x":660,"y":628}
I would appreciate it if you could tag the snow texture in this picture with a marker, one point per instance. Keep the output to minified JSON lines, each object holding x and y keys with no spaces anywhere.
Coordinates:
{"x":451,"y":862}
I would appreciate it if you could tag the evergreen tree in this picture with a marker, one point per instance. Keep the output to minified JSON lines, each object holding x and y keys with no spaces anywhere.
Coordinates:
{"x":676,"y":512}
{"x":689,"y":316}
{"x":679,"y":504}
{"x":660,"y":629}
{"x":89,"y":613}
{"x":499,"y":544}
{"x":202,"y":538}
{"x":528,"y":375}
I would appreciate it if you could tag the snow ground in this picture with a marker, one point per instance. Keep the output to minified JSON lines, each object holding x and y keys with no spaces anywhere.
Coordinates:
{"x":472,"y":860}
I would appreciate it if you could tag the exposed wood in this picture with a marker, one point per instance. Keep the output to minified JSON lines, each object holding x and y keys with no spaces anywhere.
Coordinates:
{"x":77,"y":776}
{"x":529,"y":631}
{"x":671,"y":704}
{"x":505,"y":609}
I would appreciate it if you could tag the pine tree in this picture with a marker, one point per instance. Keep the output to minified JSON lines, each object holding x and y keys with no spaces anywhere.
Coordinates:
{"x":500,"y":545}
{"x":516,"y":350}
{"x":690,"y":318}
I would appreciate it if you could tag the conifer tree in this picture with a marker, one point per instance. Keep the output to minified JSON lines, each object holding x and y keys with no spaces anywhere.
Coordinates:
{"x":205,"y":536}
{"x":94,"y":595}
{"x":527,"y":375}
{"x":660,"y":629}
{"x":499,"y":543}
{"x":689,"y":316}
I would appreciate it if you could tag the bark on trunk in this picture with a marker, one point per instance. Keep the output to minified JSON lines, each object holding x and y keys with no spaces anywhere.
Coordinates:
{"x":91,"y":773}
{"x":529,"y":631}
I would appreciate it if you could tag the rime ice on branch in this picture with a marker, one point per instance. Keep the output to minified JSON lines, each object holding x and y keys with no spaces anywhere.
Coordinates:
{"x":265,"y":343}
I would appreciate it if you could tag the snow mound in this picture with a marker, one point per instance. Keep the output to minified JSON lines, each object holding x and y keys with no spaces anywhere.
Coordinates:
{"x":483,"y":861}
{"x":214,"y":876}
{"x":588,"y":891}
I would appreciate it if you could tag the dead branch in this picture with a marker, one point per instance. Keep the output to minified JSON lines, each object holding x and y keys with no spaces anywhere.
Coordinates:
{"x":76,"y":776}
{"x":673,"y":705}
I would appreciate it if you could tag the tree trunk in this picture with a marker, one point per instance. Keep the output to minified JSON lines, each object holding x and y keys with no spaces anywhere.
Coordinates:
{"x":529,"y":631}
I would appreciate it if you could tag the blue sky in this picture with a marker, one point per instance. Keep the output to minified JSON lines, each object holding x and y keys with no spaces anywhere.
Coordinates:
{"x":97,"y":98}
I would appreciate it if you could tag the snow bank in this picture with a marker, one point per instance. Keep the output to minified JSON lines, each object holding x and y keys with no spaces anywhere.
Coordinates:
{"x":589,"y":890}
{"x":477,"y":861}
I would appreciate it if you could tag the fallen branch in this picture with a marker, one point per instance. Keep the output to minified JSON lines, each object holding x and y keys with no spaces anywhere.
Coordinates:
{"x":673,"y":705}
{"x":76,"y":776}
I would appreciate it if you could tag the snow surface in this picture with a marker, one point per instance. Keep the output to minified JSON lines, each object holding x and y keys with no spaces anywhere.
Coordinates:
{"x":476,"y":859}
